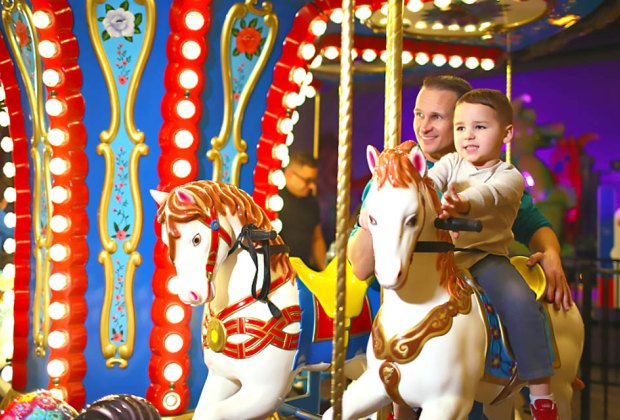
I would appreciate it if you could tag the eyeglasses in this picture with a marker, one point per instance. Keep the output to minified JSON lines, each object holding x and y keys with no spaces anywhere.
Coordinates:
{"x":307,"y":181}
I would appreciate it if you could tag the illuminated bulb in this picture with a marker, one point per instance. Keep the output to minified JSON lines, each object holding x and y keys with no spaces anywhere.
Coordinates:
{"x":470,"y":28}
{"x":56,"y":368}
{"x":175,"y":314}
{"x":51,"y":78}
{"x":48,"y":49}
{"x":280,"y":151}
{"x":41,"y":19}
{"x":437,"y":26}
{"x":439,"y":60}
{"x":183,"y":139}
{"x":291,"y":100}
{"x":309,"y":91}
{"x":384,"y":56}
{"x":354,"y":54}
{"x":307,"y":51}
{"x":298,"y":75}
{"x":59,"y":252}
{"x":9,"y":169}
{"x":486,"y":36}
{"x":277,"y":225}
{"x":59,"y":223}
{"x":369,"y":55}
{"x":9,"y":220}
{"x":331,"y":52}
{"x":484,"y":25}
{"x":468,"y":1}
{"x":57,"y":137}
{"x":442,"y":4}
{"x":7,"y":347}
{"x":471,"y":63}
{"x":318,"y":27}
{"x":173,"y":343}
{"x":10,"y":194}
{"x":188,"y":79}
{"x":4,"y":119}
{"x":171,"y":400}
{"x":275,"y":203}
{"x":56,"y":339}
{"x":59,"y":393}
{"x":173,"y":372}
{"x":487,"y":64}
{"x":420,"y":24}
{"x":383,"y":21}
{"x":194,"y":20}
{"x":455,"y":61}
{"x":8,"y":272}
{"x":384,"y":9}
{"x":181,"y":168}
{"x":336,"y":16}
{"x":186,"y":109}
{"x":58,"y":166}
{"x":190,"y":50}
{"x":7,"y":373}
{"x":9,"y":246}
{"x":58,"y":282}
{"x":55,"y":107}
{"x":454,"y":27}
{"x":290,"y":138}
{"x":415,"y":5}
{"x":7,"y":144}
{"x":407,"y":57}
{"x":2,"y":93}
{"x":174,"y":285}
{"x":277,"y":178}
{"x":59,"y":194}
{"x":422,"y":58}
{"x":285,"y":125}
{"x":406,"y":23}
{"x":363,"y":12}
{"x":308,"y":78}
{"x":295,"y":117}
{"x":57,"y":310}
{"x":286,"y":161}
{"x":301,"y":97}
{"x":316,"y":62}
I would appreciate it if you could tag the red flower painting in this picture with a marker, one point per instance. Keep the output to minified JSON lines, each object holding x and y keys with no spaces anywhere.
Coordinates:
{"x":248,"y":39}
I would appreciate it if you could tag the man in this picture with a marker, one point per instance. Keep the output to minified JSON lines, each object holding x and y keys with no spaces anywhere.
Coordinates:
{"x":432,"y":125}
{"x":300,"y":216}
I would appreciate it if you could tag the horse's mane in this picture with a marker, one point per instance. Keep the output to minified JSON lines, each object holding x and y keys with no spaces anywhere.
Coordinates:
{"x":394,"y":166}
{"x":223,"y":198}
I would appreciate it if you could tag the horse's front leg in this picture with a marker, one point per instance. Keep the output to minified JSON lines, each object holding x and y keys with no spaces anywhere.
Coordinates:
{"x":362,"y":398}
{"x":448,"y":407}
{"x":216,"y":388}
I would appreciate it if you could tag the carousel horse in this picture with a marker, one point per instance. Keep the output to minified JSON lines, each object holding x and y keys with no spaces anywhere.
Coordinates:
{"x":431,"y":335}
{"x":261,"y":323}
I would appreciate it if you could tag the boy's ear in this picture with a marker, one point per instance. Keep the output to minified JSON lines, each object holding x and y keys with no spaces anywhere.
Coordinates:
{"x":509,"y":134}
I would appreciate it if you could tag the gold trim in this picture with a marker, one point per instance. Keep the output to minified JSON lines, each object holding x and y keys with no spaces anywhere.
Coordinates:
{"x":317,"y":125}
{"x":107,"y":348}
{"x":109,"y":245}
{"x":270,"y":19}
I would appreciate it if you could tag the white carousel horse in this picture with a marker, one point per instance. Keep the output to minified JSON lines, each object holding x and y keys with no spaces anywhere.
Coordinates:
{"x":260,"y":327}
{"x":429,"y":339}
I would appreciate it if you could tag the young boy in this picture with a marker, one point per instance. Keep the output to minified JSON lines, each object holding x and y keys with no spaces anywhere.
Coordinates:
{"x":478,"y":185}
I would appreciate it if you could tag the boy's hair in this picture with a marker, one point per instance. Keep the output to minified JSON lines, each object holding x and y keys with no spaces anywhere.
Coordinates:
{"x":303,"y":158}
{"x":447,"y":82}
{"x":491,"y":98}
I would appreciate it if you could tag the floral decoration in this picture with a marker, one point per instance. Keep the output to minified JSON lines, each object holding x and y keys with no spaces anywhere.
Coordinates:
{"x":239,"y":81}
{"x":120,"y":22}
{"x":23,"y":35}
{"x":123,"y":59}
{"x":248,"y":39}
{"x":120,"y":215}
{"x":118,"y":318}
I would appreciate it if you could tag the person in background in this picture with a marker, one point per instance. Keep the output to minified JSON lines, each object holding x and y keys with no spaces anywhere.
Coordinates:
{"x":300,"y":215}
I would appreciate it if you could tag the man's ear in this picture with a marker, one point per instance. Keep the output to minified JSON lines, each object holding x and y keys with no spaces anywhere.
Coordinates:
{"x":372,"y":156}
{"x":510,"y":131}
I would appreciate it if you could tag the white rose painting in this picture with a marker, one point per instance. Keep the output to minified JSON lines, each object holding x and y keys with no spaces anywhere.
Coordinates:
{"x":120,"y":22}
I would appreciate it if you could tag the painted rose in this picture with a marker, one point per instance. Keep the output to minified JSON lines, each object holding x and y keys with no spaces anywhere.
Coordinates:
{"x":248,"y":40}
{"x":121,"y":235}
{"x":21,"y":32}
{"x":119,"y":23}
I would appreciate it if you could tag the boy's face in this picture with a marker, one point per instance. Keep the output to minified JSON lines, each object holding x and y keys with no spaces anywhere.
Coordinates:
{"x":478,"y":134}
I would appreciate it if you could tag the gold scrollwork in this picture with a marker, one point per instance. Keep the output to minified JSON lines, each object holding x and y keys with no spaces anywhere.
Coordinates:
{"x":109,"y":349}
{"x":233,"y":122}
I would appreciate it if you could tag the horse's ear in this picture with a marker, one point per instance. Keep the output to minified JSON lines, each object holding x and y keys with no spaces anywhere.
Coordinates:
{"x":418,"y":160}
{"x":160,"y":197}
{"x":184,"y":196}
{"x":372,"y":156}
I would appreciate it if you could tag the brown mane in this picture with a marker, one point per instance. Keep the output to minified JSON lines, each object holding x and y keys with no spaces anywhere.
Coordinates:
{"x":394,"y":165}
{"x":223,"y":198}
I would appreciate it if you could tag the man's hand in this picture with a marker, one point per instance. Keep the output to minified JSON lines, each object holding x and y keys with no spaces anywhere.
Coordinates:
{"x":362,"y":219}
{"x":558,"y":291}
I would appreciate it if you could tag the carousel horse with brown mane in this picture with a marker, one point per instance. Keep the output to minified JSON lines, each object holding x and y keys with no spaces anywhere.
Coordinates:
{"x":431,"y":335}
{"x":261,"y":323}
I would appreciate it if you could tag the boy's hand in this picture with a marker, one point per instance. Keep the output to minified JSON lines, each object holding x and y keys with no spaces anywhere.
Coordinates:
{"x":453,"y":205}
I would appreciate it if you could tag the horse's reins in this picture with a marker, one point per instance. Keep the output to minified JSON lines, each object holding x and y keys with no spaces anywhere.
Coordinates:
{"x":450,"y":224}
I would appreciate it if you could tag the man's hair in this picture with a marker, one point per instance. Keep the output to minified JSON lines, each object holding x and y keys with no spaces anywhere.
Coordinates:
{"x":303,"y":158}
{"x":491,"y":98}
{"x":447,"y":82}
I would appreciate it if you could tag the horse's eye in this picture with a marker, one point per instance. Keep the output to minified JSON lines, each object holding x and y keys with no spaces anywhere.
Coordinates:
{"x":411,"y":221}
{"x":196,"y":240}
{"x":372,"y":220}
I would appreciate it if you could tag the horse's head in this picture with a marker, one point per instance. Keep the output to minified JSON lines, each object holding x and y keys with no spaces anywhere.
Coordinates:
{"x":198,"y":238}
{"x":401,"y":210}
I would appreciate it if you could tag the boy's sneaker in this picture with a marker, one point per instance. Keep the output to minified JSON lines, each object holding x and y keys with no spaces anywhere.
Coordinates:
{"x":544,"y":409}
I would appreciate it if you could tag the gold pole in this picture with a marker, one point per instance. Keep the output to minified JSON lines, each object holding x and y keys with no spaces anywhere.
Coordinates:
{"x":317,"y":120}
{"x":508,"y":88}
{"x":393,"y":74}
{"x":342,"y":201}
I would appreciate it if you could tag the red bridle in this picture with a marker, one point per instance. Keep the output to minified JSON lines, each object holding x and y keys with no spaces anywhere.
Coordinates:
{"x":216,"y":233}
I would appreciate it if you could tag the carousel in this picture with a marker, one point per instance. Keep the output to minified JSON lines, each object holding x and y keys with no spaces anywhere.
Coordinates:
{"x":143,"y":146}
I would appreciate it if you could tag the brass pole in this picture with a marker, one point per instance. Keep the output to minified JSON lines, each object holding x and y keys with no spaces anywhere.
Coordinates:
{"x":393,"y":74}
{"x":342,"y":201}
{"x":508,"y":88}
{"x":317,"y":120}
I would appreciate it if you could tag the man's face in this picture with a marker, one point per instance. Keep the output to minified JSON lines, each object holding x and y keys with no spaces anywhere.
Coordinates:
{"x":300,"y":179}
{"x":432,"y":122}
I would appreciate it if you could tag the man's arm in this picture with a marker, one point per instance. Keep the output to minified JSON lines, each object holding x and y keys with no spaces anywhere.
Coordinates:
{"x":318,"y":247}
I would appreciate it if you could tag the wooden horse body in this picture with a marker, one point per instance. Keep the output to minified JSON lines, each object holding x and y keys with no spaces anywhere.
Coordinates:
{"x":429,"y":340}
